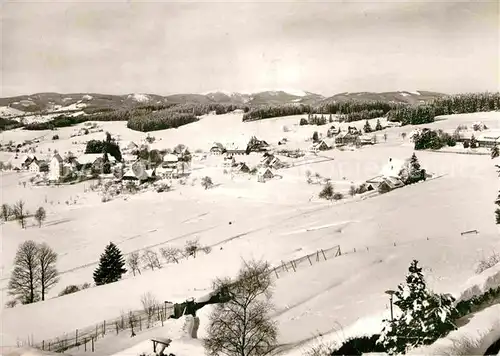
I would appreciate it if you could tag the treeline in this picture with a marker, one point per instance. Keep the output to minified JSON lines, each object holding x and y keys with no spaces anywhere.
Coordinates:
{"x":454,"y":104}
{"x":155,"y":116}
{"x":268,"y":111}
{"x":406,"y":114}
{"x":7,"y":124}
{"x":160,"y":120}
{"x":346,"y":111}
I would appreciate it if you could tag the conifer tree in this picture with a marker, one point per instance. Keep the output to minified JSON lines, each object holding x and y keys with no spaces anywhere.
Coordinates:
{"x":111,"y":266}
{"x":416,"y":173}
{"x":425,"y":316}
{"x":473,"y":142}
{"x":497,"y":211}
{"x":327,"y":192}
{"x":494,"y":152}
{"x":367,"y":128}
{"x":378,"y":127}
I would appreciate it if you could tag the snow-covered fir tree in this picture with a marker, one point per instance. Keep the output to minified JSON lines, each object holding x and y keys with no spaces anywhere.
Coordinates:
{"x":378,"y":126}
{"x":111,"y":266}
{"x":367,"y":128}
{"x":415,"y":171}
{"x":425,"y":316}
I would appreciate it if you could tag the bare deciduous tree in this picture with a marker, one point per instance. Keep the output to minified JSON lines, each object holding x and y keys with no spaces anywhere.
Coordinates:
{"x":150,"y":259}
{"x":49,"y":276}
{"x":132,"y":322}
{"x":133,"y":261}
{"x":242,"y":326}
{"x":20,"y":213}
{"x":191,"y":247}
{"x":171,"y":254}
{"x":40,"y":215}
{"x":149,"y":303}
{"x":25,"y":278}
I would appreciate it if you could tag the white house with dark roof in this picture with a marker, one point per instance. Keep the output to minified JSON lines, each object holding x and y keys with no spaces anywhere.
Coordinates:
{"x":55,"y":167}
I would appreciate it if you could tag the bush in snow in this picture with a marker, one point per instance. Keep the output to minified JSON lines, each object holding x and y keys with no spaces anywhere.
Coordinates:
{"x":425,"y":316}
{"x":359,"y":346}
{"x":488,"y":262}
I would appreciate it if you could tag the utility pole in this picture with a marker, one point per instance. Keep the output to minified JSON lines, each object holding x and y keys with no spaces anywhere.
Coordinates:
{"x":391,"y":293}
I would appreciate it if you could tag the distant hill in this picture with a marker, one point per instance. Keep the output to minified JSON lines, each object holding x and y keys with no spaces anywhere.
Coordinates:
{"x":54,"y":102}
{"x":409,"y":97}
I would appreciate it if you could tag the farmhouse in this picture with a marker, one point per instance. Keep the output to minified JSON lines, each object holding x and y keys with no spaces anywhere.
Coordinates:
{"x":366,"y":140}
{"x":332,"y":131}
{"x":170,"y":161}
{"x":167,"y":173}
{"x":38,"y":166}
{"x":271,"y":161}
{"x":217,"y":149}
{"x":320,"y":146}
{"x":236,"y":149}
{"x":228,"y":161}
{"x":489,"y":139}
{"x":27,"y":160}
{"x":55,"y":168}
{"x":241,"y":167}
{"x":264,"y":174}
{"x":346,"y":138}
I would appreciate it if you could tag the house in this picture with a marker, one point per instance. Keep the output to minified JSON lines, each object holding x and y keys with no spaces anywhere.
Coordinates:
{"x":27,"y":160}
{"x":271,"y":161}
{"x":34,"y":167}
{"x":170,"y":161}
{"x":256,"y":145}
{"x":228,"y":162}
{"x":320,"y":146}
{"x":93,"y":161}
{"x":489,"y":139}
{"x":332,"y":131}
{"x":241,"y":167}
{"x":236,"y":149}
{"x":167,"y":173}
{"x":366,"y":140}
{"x":346,"y":138}
{"x":393,"y":124}
{"x":264,"y":174}
{"x":139,"y":172}
{"x":390,"y":182}
{"x":217,"y":149}
{"x":55,"y":168}
{"x":283,"y":141}
{"x":353,"y":130}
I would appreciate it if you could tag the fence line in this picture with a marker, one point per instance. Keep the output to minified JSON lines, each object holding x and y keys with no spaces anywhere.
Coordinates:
{"x":141,"y":319}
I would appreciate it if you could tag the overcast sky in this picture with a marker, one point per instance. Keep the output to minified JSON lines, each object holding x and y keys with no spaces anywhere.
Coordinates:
{"x":163,"y":48}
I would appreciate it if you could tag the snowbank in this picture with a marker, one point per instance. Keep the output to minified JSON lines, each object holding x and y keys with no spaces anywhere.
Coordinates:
{"x":474,"y":338}
{"x":481,"y":283}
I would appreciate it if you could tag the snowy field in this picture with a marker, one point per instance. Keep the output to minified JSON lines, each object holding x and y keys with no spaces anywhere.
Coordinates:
{"x":279,"y":221}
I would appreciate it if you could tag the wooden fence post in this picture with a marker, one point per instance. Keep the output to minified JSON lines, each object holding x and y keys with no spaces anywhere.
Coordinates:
{"x":43,"y":345}
{"x":317,"y":256}
{"x":104,"y":328}
{"x":293,"y":266}
{"x":76,"y":337}
{"x":85,"y":341}
{"x":323,"y":252}
{"x":49,"y":345}
{"x":339,"y":251}
{"x":284,"y":266}
{"x":309,"y":258}
{"x":277,"y":275}
{"x":140,"y":323}
{"x":92,"y":344}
